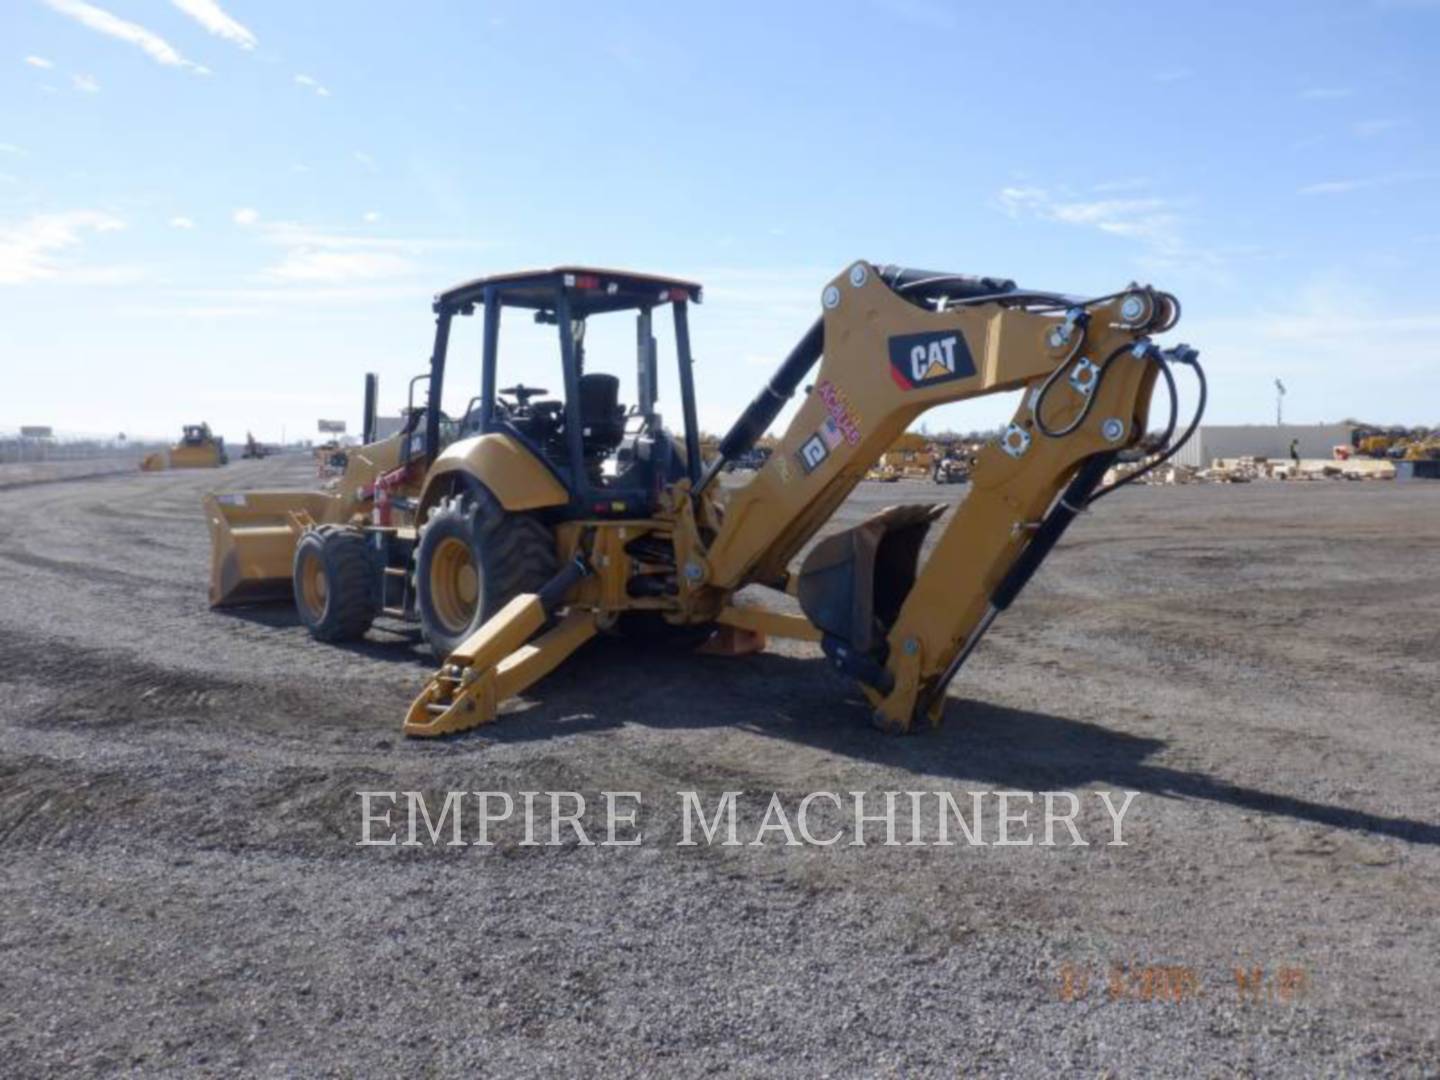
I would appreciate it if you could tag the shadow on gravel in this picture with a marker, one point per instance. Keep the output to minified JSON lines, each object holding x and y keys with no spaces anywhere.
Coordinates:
{"x":801,"y":700}
{"x":280,"y":615}
{"x":399,"y":643}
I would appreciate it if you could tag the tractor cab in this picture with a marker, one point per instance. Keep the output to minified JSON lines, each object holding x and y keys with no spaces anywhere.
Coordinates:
{"x":613,"y":458}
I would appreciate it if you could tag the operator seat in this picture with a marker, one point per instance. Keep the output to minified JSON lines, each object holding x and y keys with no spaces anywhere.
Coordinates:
{"x":602,"y":417}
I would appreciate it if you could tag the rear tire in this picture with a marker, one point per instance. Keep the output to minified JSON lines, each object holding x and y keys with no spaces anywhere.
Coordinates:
{"x":473,"y":558}
{"x":335,"y":583}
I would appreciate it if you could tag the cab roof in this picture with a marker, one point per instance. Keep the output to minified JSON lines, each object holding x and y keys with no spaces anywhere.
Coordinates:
{"x":590,"y":290}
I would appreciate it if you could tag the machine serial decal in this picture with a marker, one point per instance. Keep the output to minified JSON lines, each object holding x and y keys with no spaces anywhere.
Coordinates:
{"x":842,"y":413}
{"x":918,"y":360}
{"x":812,"y":453}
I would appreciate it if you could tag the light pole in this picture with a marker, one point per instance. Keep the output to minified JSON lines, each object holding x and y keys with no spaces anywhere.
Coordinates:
{"x":1279,"y":401}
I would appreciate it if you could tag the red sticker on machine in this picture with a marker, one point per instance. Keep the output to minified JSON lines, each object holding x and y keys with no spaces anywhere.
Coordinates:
{"x":842,"y":413}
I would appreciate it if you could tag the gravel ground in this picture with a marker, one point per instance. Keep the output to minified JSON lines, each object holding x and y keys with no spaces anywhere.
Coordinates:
{"x":24,"y":474}
{"x":183,"y":891}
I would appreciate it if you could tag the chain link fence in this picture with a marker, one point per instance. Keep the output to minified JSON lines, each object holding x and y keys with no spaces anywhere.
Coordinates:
{"x":20,"y":449}
{"x":28,"y":458}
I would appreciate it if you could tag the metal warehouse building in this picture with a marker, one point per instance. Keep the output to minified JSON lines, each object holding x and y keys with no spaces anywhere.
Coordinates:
{"x":1262,"y":440}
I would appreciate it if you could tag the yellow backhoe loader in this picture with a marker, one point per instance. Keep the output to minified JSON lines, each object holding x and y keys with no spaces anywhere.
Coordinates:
{"x":198,"y":448}
{"x":531,"y":524}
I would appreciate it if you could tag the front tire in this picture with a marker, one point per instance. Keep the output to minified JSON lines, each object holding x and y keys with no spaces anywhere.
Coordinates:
{"x":335,"y":584}
{"x":473,"y":558}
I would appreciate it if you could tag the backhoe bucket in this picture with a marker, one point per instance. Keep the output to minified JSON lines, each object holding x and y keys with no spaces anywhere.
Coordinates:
{"x":252,"y":541}
{"x":853,"y":584}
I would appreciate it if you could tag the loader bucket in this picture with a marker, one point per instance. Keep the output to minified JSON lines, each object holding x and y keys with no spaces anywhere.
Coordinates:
{"x":195,"y":457}
{"x":853,"y":584}
{"x":252,"y":541}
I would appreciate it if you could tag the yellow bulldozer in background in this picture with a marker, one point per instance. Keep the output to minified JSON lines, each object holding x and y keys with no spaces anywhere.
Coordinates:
{"x":1417,"y":447}
{"x":909,"y":457}
{"x":521,"y":529}
{"x":198,"y":448}
{"x":1394,"y":443}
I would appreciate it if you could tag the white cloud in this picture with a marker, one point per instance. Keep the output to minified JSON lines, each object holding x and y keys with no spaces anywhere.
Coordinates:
{"x":317,"y":265}
{"x":366,"y":161}
{"x":1170,"y":75}
{"x":1336,"y":187}
{"x":1368,"y":129}
{"x":245,"y":216}
{"x":1341,"y":187}
{"x":337,"y":256}
{"x":293,"y":234}
{"x":1155,"y":224}
{"x":1151,"y":220}
{"x":1311,"y":342}
{"x":86,"y":84}
{"x":209,"y":14}
{"x":39,"y":62}
{"x":11,"y":148}
{"x":27,"y":250}
{"x":182,"y":222}
{"x":1326,"y":93}
{"x":311,"y":83}
{"x":318,"y":255}
{"x":371,"y":216}
{"x":103,"y":22}
{"x":277,"y":297}
{"x":1128,"y":183}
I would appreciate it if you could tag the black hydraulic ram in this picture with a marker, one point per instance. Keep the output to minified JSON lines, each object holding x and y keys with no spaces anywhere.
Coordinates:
{"x":1065,"y":510}
{"x":919,"y":286}
{"x":761,"y":412}
{"x":552,"y":594}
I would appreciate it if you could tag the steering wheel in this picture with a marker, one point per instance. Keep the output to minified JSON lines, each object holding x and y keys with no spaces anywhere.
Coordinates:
{"x":522,"y":393}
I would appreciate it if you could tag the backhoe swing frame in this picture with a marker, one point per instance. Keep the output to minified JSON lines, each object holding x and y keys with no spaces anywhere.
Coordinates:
{"x":894,"y":344}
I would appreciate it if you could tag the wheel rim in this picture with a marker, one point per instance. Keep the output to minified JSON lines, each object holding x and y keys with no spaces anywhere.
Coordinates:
{"x":312,"y":585}
{"x":454,"y":585}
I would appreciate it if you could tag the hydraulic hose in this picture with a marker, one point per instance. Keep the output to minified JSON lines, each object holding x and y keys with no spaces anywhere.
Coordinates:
{"x":1180,"y":354}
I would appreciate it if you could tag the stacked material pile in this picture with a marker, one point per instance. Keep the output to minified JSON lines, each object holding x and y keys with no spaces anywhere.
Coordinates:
{"x":1244,"y":470}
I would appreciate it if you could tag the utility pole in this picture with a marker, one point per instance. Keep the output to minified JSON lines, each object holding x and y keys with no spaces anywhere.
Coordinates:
{"x":1279,"y":402}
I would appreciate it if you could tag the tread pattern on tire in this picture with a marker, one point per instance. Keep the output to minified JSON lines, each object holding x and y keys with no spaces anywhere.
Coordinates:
{"x":516,"y":550}
{"x":350,"y":585}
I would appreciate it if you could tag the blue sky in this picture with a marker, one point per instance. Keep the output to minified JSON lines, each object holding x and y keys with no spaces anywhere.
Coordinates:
{"x":230,"y":211}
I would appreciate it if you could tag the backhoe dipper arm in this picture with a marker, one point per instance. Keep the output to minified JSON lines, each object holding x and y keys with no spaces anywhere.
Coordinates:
{"x":1087,"y":369}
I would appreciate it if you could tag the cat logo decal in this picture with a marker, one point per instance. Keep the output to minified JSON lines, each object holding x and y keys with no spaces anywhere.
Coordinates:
{"x":918,"y":360}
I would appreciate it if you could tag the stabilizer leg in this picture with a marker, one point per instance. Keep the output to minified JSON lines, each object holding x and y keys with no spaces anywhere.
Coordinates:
{"x":496,"y":662}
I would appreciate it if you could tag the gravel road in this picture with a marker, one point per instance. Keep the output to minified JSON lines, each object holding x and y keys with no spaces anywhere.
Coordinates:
{"x":183,"y":891}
